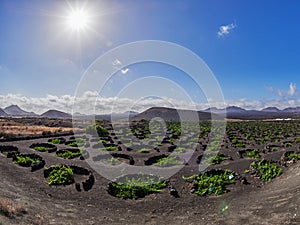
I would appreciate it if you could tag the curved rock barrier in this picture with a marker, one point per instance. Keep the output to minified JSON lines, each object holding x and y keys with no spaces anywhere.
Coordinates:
{"x":8,"y":150}
{"x":34,"y":161}
{"x":64,"y":175}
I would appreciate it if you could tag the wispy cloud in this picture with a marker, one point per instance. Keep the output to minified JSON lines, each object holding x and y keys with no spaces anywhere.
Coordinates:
{"x":280,"y":93}
{"x":292,"y":90}
{"x":225,"y":29}
{"x":116,"y":62}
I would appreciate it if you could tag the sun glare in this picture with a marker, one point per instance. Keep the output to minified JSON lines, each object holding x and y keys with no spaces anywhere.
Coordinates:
{"x":78,"y":20}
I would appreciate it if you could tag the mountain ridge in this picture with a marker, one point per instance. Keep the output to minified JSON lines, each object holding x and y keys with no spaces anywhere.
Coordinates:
{"x":232,"y":112}
{"x":15,"y":110}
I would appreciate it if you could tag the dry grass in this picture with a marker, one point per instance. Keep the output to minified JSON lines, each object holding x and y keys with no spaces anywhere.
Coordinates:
{"x":32,"y":129}
{"x":10,"y":208}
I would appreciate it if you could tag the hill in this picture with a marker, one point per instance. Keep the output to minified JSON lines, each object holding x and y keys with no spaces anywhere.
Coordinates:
{"x":3,"y":113}
{"x":170,"y":114}
{"x":56,"y":114}
{"x":14,"y":110}
{"x":232,"y":112}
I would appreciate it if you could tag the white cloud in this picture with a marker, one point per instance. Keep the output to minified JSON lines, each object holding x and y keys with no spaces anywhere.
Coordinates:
{"x":280,"y":93}
{"x":124,"y":71}
{"x":90,"y":103}
{"x":116,"y":63}
{"x":225,"y":29}
{"x":292,"y":90}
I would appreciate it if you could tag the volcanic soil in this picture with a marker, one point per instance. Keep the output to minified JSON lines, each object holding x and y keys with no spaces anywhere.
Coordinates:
{"x":257,"y":202}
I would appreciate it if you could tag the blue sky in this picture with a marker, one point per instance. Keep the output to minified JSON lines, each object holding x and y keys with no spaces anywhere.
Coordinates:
{"x":252,"y":47}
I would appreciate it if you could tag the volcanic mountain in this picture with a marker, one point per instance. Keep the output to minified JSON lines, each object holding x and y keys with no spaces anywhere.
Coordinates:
{"x":56,"y":114}
{"x":170,"y":114}
{"x":2,"y":112}
{"x":14,"y":110}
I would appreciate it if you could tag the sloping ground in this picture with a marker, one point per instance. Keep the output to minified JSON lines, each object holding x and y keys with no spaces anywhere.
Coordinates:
{"x":275,"y":203}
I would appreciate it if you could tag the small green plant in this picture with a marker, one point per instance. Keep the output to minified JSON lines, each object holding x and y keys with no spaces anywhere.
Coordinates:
{"x":297,"y":139}
{"x":253,"y":153}
{"x":79,"y":142}
{"x":67,"y":154}
{"x":240,"y":145}
{"x":144,"y":150}
{"x":55,"y":141}
{"x":168,"y":161}
{"x":60,"y":175}
{"x":267,"y":170}
{"x":103,"y":141}
{"x":288,"y":144}
{"x":26,"y":160}
{"x":96,"y":129}
{"x":215,"y":159}
{"x":136,"y":187}
{"x":41,"y":148}
{"x":211,"y":182}
{"x":292,"y":156}
{"x":179,"y":150}
{"x":111,"y":148}
{"x":114,"y":161}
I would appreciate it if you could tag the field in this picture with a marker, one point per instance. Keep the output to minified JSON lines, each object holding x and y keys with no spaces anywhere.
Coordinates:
{"x":254,"y":178}
{"x":17,"y":128}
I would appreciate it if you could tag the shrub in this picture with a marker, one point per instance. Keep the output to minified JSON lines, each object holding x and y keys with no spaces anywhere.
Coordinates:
{"x":211,"y":182}
{"x":267,"y":170}
{"x":114,"y":161}
{"x":168,"y":161}
{"x":288,"y":144}
{"x":10,"y":208}
{"x":215,"y":159}
{"x":144,"y":150}
{"x":60,"y":175}
{"x":56,"y":141}
{"x":79,"y":142}
{"x":68,"y":153}
{"x":179,"y":150}
{"x":96,"y":129}
{"x":41,"y":148}
{"x":111,"y":148}
{"x":292,"y":156}
{"x":136,"y":186}
{"x":253,"y":153}
{"x":26,"y":160}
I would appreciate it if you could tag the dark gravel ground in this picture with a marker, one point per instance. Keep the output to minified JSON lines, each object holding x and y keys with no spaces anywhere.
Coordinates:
{"x":258,"y":202}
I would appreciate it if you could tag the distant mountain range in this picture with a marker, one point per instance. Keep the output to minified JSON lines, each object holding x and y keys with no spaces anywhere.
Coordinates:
{"x":232,"y":112}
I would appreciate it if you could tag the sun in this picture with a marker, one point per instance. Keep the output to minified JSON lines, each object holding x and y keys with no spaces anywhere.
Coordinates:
{"x":78,"y":19}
